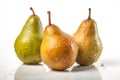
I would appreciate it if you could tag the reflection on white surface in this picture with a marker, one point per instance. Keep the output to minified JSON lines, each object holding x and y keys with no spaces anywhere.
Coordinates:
{"x":39,"y":72}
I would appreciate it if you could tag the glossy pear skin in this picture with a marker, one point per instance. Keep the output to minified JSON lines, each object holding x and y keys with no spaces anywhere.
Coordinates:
{"x":58,"y":49}
{"x":27,"y":44}
{"x":89,"y":42}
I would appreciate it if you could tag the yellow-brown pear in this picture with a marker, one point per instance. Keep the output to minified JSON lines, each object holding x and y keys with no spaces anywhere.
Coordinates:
{"x":88,"y":41}
{"x":58,"y":49}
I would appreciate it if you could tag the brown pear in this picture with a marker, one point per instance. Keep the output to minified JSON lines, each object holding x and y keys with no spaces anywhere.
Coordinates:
{"x":88,"y":41}
{"x":58,"y":49}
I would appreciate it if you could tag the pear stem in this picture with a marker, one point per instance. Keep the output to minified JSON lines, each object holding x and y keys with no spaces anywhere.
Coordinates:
{"x":89,"y":16}
{"x":32,"y":10}
{"x":49,"y":17}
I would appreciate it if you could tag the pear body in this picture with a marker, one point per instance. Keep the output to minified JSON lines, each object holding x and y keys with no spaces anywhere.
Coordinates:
{"x":88,"y":41}
{"x":58,"y":49}
{"x":27,"y":45}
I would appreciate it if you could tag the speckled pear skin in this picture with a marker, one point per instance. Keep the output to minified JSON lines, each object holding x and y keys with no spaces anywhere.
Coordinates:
{"x":27,"y":44}
{"x":58,"y":49}
{"x":88,"y":41}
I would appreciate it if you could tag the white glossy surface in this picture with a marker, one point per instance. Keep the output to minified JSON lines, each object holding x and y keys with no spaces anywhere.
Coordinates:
{"x":106,"y":69}
{"x":67,"y":14}
{"x":25,"y":72}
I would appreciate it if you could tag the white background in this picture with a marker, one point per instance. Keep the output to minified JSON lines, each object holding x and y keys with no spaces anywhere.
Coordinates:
{"x":67,"y":14}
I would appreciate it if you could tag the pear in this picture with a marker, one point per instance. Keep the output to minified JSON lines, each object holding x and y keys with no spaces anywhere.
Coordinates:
{"x":88,"y":41}
{"x":27,"y":45}
{"x":58,"y":49}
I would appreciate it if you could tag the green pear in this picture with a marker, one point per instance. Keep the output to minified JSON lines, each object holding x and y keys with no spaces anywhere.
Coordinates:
{"x":88,"y":41}
{"x":58,"y":49}
{"x":27,"y":45}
